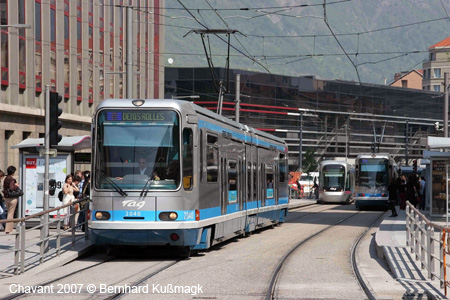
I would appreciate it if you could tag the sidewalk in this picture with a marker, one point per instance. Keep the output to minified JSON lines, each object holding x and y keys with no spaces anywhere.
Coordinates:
{"x":32,"y":251}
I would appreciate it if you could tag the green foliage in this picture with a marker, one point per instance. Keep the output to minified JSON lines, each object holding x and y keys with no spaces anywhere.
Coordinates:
{"x":309,"y":162}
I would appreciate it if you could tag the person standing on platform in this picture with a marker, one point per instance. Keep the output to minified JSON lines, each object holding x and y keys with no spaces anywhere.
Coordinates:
{"x":392,"y":189}
{"x":402,"y":192}
{"x":422,"y":193}
{"x":85,"y":195}
{"x":69,"y":187}
{"x":2,"y":201}
{"x":10,"y":184}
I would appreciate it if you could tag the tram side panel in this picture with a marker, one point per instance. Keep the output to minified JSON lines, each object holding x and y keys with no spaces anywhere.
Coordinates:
{"x":232,"y":221}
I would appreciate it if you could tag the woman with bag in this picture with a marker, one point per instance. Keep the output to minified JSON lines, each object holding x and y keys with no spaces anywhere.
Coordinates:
{"x":68,"y":188}
{"x":11,"y":191}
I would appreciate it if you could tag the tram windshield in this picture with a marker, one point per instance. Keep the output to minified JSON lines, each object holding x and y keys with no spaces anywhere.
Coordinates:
{"x":373,"y":172}
{"x":137,"y":149}
{"x":333,"y":177}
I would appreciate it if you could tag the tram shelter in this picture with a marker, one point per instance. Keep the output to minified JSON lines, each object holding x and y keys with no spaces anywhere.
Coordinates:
{"x":32,"y":169}
{"x":438,"y":176}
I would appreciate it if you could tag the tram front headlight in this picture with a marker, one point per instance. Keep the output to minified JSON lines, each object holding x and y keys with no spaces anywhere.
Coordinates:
{"x":168,"y":216}
{"x":102,"y":215}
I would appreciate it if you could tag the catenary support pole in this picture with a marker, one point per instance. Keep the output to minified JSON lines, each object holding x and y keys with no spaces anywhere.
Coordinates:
{"x":238,"y":97}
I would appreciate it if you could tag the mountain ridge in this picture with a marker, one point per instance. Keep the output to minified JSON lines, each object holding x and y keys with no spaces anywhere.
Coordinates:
{"x":356,"y":40}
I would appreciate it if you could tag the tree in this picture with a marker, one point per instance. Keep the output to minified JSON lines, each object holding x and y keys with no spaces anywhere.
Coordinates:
{"x":309,"y":163}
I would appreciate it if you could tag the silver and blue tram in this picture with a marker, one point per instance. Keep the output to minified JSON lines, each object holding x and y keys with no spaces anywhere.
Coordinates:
{"x":336,"y":181}
{"x":208,"y":179}
{"x":373,"y":175}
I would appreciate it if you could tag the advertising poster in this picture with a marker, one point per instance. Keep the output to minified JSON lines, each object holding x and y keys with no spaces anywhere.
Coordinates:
{"x":439,"y":186}
{"x":34,"y":181}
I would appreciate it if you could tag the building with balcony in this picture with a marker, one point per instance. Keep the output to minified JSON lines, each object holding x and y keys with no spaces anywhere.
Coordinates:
{"x":436,"y":66}
{"x":78,"y":49}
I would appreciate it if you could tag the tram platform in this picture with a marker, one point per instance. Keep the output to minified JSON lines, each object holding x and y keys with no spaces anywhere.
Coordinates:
{"x":32,"y":250}
{"x":391,"y":245}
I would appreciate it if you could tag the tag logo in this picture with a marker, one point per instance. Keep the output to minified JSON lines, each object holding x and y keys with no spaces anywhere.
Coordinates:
{"x":133,"y":203}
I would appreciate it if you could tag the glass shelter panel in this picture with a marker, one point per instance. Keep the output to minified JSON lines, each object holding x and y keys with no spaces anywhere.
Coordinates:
{"x":439,"y":188}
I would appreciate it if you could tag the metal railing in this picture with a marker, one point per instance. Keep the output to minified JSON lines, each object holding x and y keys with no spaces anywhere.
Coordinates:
{"x":423,"y":237}
{"x":50,"y":245}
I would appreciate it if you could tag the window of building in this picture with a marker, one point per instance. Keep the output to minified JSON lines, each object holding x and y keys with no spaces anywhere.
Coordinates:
{"x":22,"y":47}
{"x":79,"y":52}
{"x":102,"y":51}
{"x":437,"y":73}
{"x":53,"y":45}
{"x":38,"y":47}
{"x":4,"y":38}
{"x":437,"y":88}
{"x":404,"y":83}
{"x":432,"y":56}
{"x":66,"y":50}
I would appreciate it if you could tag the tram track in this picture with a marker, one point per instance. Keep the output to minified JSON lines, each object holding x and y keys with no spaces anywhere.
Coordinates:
{"x":355,"y":268}
{"x":271,"y":290}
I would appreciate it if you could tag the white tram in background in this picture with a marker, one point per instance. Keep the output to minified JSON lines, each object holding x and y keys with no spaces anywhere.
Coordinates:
{"x":373,"y":175}
{"x":336,"y":181}
{"x":208,"y":178}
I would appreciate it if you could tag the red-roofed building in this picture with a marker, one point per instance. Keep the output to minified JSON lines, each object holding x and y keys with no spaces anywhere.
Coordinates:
{"x":410,"y":79}
{"x":436,"y":66}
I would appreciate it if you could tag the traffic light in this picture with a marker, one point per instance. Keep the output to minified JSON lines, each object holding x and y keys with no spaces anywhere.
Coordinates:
{"x":55,"y":123}
{"x":415,"y":165}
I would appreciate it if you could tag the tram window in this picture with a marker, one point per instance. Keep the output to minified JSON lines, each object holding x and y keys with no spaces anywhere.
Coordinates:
{"x":269,"y":182}
{"x":201,"y":155}
{"x":212,"y":158}
{"x":255,"y":178}
{"x":249,"y":181}
{"x":232,"y":181}
{"x":187,"y":158}
{"x":283,"y":169}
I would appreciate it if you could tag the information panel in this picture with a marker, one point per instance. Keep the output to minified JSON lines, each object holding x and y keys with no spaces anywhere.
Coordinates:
{"x":33,"y":181}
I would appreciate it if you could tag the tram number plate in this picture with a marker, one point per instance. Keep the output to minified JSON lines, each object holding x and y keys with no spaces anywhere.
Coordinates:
{"x":132,"y":213}
{"x":188,"y":215}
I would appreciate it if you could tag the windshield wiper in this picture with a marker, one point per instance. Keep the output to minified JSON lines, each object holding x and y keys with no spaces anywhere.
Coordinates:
{"x":111,"y":182}
{"x":146,"y":187}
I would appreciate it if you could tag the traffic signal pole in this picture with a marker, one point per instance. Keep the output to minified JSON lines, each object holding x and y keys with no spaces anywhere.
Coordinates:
{"x":44,"y":218}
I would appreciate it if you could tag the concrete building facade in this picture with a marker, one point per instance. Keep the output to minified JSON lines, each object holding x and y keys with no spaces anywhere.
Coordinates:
{"x":436,"y":66}
{"x":78,"y":49}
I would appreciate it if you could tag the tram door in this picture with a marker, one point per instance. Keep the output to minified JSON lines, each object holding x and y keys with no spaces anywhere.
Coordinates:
{"x":248,"y":193}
